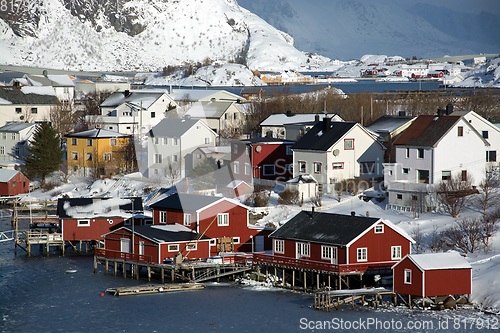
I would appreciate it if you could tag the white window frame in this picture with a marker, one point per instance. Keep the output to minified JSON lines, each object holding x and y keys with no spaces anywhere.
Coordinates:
{"x":362,"y":254}
{"x":247,"y":169}
{"x":89,"y":157}
{"x":420,"y":153}
{"x":407,"y":152}
{"x":141,"y":248}
{"x":175,"y":141}
{"x":407,"y":276}
{"x":305,"y":166}
{"x":165,"y":141}
{"x":316,"y":165}
{"x":207,"y":141}
{"x":396,"y":252}
{"x":163,"y":217}
{"x":236,"y":240}
{"x":74,"y":141}
{"x":192,"y":247}
{"x":223,"y":219}
{"x":173,"y":247}
{"x":158,"y":158}
{"x":264,"y":173}
{"x":348,"y":144}
{"x":236,"y":168}
{"x":187,"y":219}
{"x":303,"y":249}
{"x":73,"y":155}
{"x":380,"y":228}
{"x":113,"y":142}
{"x":106,"y":156}
{"x":212,"y":242}
{"x":84,"y":223}
{"x":279,"y":246}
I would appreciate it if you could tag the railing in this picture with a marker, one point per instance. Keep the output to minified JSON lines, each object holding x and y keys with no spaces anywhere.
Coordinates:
{"x":123,"y":255}
{"x":42,"y":237}
{"x":320,"y":266}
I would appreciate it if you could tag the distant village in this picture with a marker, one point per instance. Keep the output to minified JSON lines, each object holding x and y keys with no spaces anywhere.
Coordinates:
{"x":209,"y":179}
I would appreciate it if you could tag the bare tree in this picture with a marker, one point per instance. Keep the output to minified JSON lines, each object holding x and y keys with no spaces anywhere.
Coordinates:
{"x":466,"y":235}
{"x":489,"y":191}
{"x":436,"y":242}
{"x":452,"y":194}
{"x":63,"y":118}
{"x":489,"y":225}
{"x":418,"y":237}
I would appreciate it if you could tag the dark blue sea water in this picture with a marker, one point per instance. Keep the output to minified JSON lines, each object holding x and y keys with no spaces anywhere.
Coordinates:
{"x":37,"y":295}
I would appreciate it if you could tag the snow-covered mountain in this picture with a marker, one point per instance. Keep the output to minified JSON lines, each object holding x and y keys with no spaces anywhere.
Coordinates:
{"x":140,"y":35}
{"x":348,"y":29}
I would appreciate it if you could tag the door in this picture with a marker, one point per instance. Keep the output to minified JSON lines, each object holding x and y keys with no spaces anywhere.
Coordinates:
{"x":125,"y":245}
{"x":259,"y":244}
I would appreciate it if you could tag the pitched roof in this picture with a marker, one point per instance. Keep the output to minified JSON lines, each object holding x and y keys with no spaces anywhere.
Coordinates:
{"x":188,"y":202}
{"x":171,"y":127}
{"x":302,"y":179}
{"x":195,"y":95}
{"x":96,"y":133}
{"x":208,"y":109}
{"x":388,"y":123}
{"x":97,"y":207}
{"x":166,"y":233}
{"x":135,"y":97}
{"x":53,"y":80}
{"x":324,"y":228}
{"x":434,"y":261}
{"x":16,"y":127}
{"x":281,"y":119}
{"x":19,"y":97}
{"x":265,"y":140}
{"x":426,"y":130}
{"x":316,"y":139}
{"x":7,"y":174}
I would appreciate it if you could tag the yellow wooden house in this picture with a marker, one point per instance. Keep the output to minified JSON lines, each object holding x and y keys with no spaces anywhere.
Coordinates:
{"x":98,"y":152}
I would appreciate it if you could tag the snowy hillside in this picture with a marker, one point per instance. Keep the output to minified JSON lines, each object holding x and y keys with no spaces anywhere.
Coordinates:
{"x":347,"y":29}
{"x":133,"y":35}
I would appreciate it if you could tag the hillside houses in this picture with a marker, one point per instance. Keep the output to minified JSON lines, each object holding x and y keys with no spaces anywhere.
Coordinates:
{"x":15,"y":141}
{"x":220,"y":116}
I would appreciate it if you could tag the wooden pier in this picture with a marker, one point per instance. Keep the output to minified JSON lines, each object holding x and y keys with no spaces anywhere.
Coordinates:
{"x":154,"y":289}
{"x":326,"y":300}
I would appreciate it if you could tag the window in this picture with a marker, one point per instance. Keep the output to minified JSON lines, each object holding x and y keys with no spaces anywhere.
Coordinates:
{"x":362,"y":254}
{"x":74,"y":156}
{"x":34,"y":110}
{"x":18,"y":110}
{"x":73,"y":141}
{"x":165,"y":141}
{"x":158,"y":158}
{"x":173,"y":248}
{"x":191,"y":247}
{"x":414,"y":198}
{"x":395,"y":252}
{"x":175,"y":141}
{"x":485,"y":134}
{"x":399,"y":196}
{"x":141,"y":248}
{"x":269,"y":170}
{"x":348,"y":144}
{"x":338,"y":165}
{"x":163,"y":217}
{"x":207,"y":141}
{"x":329,"y":253}
{"x":407,"y":276}
{"x":464,"y":175}
{"x":156,"y":140}
{"x":317,"y":167}
{"x":112,"y":142}
{"x":153,"y":114}
{"x":367,"y":167}
{"x":212,"y":242}
{"x":4,"y":136}
{"x":379,"y":229}
{"x":88,"y":157}
{"x":2,"y":150}
{"x":279,"y":246}
{"x":106,"y":157}
{"x":235,"y":148}
{"x":235,"y":116}
{"x":236,"y":240}
{"x":303,"y":250}
{"x":491,"y":156}
{"x":302,"y":166}
{"x":420,"y":153}
{"x":13,"y":136}
{"x":225,"y":116}
{"x":89,"y":142}
{"x":223,"y":219}
{"x":445,"y":175}
{"x":174,"y":158}
{"x":406,"y":170}
{"x":289,"y":150}
{"x":84,"y":223}
{"x":187,"y":219}
{"x":407,"y":153}
{"x":460,"y":131}
{"x":247,"y":169}
{"x":237,"y":167}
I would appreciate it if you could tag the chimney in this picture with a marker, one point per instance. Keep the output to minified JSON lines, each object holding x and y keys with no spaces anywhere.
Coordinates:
{"x":269,"y":134}
{"x":289,"y":113}
{"x":353,"y":213}
{"x":441,"y":112}
{"x":312,"y":212}
{"x":327,"y":123}
{"x":316,"y":118}
{"x":127,"y":93}
{"x":402,"y":113}
{"x":449,"y":109}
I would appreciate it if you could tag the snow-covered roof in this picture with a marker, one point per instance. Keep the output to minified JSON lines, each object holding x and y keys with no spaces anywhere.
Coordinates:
{"x":235,"y":183}
{"x":433,"y":261}
{"x":138,"y":98}
{"x":15,"y":127}
{"x":6,"y":175}
{"x":208,"y":109}
{"x":175,"y":127}
{"x":216,"y":150}
{"x":281,"y":119}
{"x":203,"y":94}
{"x":39,"y":90}
{"x":96,"y":133}
{"x":302,"y":179}
{"x":54,"y":80}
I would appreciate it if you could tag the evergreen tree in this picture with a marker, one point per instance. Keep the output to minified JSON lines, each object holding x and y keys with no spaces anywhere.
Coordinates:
{"x":45,"y":152}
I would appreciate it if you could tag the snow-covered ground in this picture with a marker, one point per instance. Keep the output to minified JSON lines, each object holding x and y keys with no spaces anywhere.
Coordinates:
{"x":486,"y":266}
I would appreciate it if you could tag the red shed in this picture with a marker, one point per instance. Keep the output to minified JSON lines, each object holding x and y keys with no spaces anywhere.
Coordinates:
{"x":157,"y":242}
{"x":214,"y":217}
{"x":13,"y":182}
{"x":87,"y":219}
{"x":339,"y":243}
{"x":432,"y":274}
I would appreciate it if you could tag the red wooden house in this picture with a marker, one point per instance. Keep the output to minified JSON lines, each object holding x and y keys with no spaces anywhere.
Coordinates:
{"x":338,"y":243}
{"x":13,"y":182}
{"x":155,"y":243}
{"x":432,"y":274}
{"x":87,"y":219}
{"x":263,"y":158}
{"x":214,"y":217}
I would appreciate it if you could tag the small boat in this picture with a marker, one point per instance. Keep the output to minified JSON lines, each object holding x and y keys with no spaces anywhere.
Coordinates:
{"x":70,"y":271}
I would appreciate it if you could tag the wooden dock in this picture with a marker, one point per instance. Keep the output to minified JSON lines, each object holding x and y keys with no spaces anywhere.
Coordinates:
{"x":326,"y":300}
{"x":154,"y":289}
